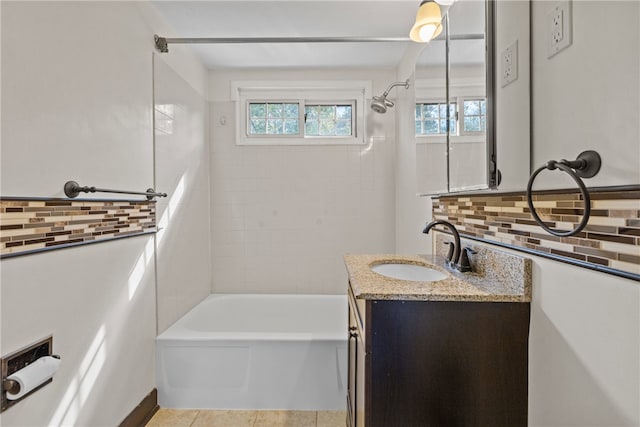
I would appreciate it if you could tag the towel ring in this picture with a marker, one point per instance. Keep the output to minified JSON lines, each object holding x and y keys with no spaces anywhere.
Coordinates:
{"x":586,"y":165}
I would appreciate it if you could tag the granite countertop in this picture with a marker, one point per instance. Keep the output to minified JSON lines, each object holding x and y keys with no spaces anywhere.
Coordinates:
{"x":498,"y":277}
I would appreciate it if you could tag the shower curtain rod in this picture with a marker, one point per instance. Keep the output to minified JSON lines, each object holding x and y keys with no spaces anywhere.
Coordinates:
{"x":162,"y":43}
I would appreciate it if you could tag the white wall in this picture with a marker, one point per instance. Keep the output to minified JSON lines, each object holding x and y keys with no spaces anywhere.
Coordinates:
{"x":77,"y":98}
{"x":588,"y":95}
{"x":282,"y":217}
{"x":585,"y":326}
{"x":412,"y":212}
{"x":584,"y":348}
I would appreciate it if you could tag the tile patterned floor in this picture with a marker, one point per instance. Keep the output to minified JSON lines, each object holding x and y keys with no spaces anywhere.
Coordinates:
{"x":217,"y":418}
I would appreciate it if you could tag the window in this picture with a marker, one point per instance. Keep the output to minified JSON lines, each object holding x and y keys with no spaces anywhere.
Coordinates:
{"x":467,"y":116}
{"x":474,"y":118}
{"x":279,"y":118}
{"x":431,"y":118}
{"x":328,"y":120}
{"x":282,"y":113}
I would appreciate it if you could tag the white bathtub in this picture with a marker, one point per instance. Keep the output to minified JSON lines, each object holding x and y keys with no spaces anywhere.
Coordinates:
{"x":256,"y":352}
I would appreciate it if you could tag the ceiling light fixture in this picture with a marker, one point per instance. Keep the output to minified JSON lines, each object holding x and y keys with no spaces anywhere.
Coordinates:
{"x":428,"y":22}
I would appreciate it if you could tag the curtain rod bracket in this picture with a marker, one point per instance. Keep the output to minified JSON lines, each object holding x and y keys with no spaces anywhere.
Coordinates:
{"x":161,"y":43}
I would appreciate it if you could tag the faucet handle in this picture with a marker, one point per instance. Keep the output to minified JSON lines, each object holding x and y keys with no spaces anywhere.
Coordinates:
{"x":450,"y":253}
{"x":464,"y":265}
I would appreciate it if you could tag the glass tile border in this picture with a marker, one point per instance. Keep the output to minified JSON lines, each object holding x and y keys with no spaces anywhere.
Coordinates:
{"x":610,"y":243}
{"x":34,"y":225}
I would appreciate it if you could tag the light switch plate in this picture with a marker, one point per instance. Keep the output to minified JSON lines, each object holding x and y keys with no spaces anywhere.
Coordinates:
{"x":559,"y":28}
{"x":509,"y":63}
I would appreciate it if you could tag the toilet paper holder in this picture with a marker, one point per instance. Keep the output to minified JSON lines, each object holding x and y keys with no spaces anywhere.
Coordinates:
{"x":19,"y":359}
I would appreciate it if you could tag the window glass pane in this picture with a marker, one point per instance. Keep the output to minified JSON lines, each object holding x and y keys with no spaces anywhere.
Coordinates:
{"x":452,"y":110}
{"x":431,"y":127}
{"x":343,"y":112}
{"x":311,"y":113}
{"x":274,"y":126}
{"x":443,"y":126}
{"x":419,"y":128}
{"x":257,"y":110}
{"x":275,"y":110}
{"x":483,"y":107}
{"x":472,"y":124}
{"x":291,"y":126}
{"x":430,"y":110}
{"x":258,"y":127}
{"x":471,"y":108}
{"x":327,"y":128}
{"x":291,"y":110}
{"x":327,"y":112}
{"x":343,"y":127}
{"x":311,"y":128}
{"x":418,"y":112}
{"x":453,"y":129}
{"x":443,"y":110}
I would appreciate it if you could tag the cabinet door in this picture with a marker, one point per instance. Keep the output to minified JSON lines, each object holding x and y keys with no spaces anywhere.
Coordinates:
{"x":352,"y":367}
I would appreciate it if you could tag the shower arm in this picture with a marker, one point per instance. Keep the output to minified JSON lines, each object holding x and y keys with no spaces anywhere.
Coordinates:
{"x":394,"y":84}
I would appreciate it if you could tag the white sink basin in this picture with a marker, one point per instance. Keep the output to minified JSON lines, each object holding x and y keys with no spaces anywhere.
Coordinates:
{"x":411,"y":272}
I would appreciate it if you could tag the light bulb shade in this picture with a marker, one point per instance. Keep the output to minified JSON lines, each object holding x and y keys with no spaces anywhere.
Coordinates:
{"x":428,"y":23}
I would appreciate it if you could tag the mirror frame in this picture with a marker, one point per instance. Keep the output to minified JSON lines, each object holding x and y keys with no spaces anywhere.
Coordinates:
{"x":492,"y":176}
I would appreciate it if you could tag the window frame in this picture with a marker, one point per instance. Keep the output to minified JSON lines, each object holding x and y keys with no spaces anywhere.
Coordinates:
{"x":303,"y":93}
{"x":354,"y":123}
{"x":439,"y":102}
{"x":432,"y":90}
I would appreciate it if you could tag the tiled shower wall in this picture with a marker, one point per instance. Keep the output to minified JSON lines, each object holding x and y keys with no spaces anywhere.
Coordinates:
{"x":35,"y":225}
{"x":611,"y":238}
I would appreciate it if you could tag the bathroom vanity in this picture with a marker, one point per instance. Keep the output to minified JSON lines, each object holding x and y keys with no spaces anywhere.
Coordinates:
{"x":451,"y":352}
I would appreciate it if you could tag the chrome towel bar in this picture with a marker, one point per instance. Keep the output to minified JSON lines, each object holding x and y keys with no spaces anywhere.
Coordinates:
{"x":72,"y":189}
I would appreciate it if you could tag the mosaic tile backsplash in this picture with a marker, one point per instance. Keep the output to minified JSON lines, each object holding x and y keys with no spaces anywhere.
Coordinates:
{"x":610,"y":239}
{"x":28,"y":226}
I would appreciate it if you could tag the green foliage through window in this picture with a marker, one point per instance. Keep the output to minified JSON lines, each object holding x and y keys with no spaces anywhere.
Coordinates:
{"x":431,"y":118}
{"x":274,"y":118}
{"x":283,"y":118}
{"x":328,"y":120}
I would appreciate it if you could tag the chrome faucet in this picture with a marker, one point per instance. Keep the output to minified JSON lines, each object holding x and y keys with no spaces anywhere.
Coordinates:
{"x":454,"y":258}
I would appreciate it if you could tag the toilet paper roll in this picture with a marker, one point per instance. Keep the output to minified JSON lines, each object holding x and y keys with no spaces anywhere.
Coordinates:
{"x":33,"y":375}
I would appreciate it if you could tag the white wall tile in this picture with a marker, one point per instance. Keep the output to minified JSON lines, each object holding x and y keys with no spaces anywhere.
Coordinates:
{"x":296,"y":210}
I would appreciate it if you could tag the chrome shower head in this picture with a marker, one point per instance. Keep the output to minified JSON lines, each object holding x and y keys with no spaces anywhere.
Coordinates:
{"x":380,"y":104}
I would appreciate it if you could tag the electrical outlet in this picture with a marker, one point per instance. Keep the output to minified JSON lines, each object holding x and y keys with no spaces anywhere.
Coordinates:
{"x":559,"y":21}
{"x":509,"y":61}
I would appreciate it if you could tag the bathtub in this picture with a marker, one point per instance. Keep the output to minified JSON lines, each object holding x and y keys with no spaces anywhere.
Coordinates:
{"x":256,"y":352}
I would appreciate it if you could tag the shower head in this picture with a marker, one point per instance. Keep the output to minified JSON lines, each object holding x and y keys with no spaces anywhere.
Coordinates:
{"x":380,"y":104}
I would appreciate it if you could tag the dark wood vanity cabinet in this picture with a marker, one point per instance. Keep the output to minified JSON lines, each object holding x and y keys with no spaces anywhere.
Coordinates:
{"x":437,"y":363}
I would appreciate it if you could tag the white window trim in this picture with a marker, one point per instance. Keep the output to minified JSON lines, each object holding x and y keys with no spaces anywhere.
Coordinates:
{"x":311,"y":92}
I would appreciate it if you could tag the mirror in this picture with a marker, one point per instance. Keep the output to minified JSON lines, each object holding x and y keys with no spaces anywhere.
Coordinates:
{"x":452,"y":87}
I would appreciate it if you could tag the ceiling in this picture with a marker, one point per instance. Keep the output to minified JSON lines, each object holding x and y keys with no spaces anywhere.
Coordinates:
{"x":294,"y":18}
